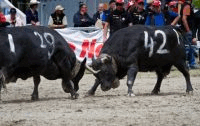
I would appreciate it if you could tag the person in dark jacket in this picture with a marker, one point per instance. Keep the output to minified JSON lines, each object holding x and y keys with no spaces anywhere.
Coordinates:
{"x":58,"y":19}
{"x":81,"y":18}
{"x":32,"y":14}
{"x":138,"y":16}
{"x":118,"y":19}
{"x":99,"y":13}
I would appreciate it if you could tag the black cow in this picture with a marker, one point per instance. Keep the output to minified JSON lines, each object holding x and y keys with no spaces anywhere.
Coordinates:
{"x":32,"y":51}
{"x":139,"y":48}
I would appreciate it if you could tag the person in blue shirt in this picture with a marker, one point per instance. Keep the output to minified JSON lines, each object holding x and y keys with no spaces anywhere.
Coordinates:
{"x":155,"y":17}
{"x":171,"y":12}
{"x":106,"y":13}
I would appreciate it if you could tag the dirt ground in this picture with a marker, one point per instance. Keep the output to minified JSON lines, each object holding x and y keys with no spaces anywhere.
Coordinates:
{"x":113,"y":108}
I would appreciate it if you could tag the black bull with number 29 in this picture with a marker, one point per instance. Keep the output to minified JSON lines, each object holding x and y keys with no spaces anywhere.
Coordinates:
{"x":139,"y":48}
{"x":32,"y":51}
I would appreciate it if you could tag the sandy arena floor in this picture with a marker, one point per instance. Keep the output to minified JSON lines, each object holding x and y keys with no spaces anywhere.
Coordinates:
{"x":172,"y":107}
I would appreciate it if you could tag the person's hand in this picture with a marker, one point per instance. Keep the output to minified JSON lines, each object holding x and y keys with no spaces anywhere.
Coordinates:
{"x":104,"y":39}
{"x":37,"y":23}
{"x":189,"y":32}
{"x":33,"y":23}
{"x":194,"y":41}
{"x":83,"y":20}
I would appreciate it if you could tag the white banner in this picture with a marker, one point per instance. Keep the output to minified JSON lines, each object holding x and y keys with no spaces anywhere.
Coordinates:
{"x":86,"y":42}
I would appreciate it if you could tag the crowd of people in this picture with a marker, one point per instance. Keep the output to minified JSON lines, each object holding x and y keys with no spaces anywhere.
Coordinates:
{"x":118,"y":15}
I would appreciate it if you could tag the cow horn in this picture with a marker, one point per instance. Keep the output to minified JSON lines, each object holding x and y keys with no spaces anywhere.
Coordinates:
{"x":91,"y":69}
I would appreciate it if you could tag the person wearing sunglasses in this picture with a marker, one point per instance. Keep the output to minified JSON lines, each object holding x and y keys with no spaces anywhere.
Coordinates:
{"x":118,"y":19}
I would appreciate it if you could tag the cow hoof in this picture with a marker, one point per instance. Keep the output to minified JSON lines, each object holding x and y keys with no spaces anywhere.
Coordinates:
{"x":155,"y":92}
{"x":89,"y":93}
{"x":131,"y":95}
{"x":75,"y":96}
{"x":34,"y":98}
{"x":189,"y":92}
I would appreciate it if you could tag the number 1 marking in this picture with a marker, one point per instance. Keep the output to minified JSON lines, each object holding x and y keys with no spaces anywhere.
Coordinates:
{"x":12,"y":46}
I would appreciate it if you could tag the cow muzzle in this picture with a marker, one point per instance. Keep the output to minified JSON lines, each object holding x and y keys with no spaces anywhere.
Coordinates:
{"x":115,"y":83}
{"x":105,"y":87}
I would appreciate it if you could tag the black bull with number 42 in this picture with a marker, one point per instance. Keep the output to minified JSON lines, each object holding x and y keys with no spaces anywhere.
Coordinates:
{"x":139,"y":49}
{"x":32,"y":51}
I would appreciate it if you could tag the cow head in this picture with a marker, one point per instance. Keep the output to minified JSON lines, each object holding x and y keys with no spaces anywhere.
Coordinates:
{"x":105,"y":69}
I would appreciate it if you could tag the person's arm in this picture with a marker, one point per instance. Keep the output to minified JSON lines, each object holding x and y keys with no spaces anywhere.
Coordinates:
{"x":76,"y":20}
{"x":105,"y":31}
{"x":186,"y":13}
{"x":185,"y":23}
{"x":90,"y":21}
{"x":175,"y":21}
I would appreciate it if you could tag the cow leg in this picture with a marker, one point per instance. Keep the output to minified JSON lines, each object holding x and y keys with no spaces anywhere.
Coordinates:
{"x":183,"y":69}
{"x":36,"y":80}
{"x":132,"y":72}
{"x":94,"y":88}
{"x":160,"y":77}
{"x":0,"y":92}
{"x":2,"y":84}
{"x":67,"y":86}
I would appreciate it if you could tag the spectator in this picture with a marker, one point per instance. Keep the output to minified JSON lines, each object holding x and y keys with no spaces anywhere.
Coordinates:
{"x":99,"y":13}
{"x":187,"y":22}
{"x":2,"y":19}
{"x":196,"y":29}
{"x":13,"y":19}
{"x":138,"y":16}
{"x":58,"y":19}
{"x":171,"y":13}
{"x":32,"y":14}
{"x":81,"y":18}
{"x":112,"y":7}
{"x":116,"y":20}
{"x":155,"y":17}
{"x":131,"y":7}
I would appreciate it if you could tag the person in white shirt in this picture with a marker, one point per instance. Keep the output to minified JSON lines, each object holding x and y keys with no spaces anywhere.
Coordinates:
{"x":58,"y":19}
{"x":13,"y":19}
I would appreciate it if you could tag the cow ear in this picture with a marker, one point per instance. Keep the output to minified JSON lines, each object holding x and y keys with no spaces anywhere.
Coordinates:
{"x":106,"y":59}
{"x":84,"y":61}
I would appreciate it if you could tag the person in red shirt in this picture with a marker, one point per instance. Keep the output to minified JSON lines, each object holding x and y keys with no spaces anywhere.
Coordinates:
{"x":2,"y":19}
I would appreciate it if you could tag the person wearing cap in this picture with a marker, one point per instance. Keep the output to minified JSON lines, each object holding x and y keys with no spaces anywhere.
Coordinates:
{"x":112,"y":7}
{"x":131,"y":7}
{"x":118,"y":19}
{"x":139,"y":15}
{"x":32,"y":14}
{"x":58,"y":19}
{"x":170,"y":12}
{"x":155,"y":16}
{"x":81,"y":18}
{"x":13,"y":19}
